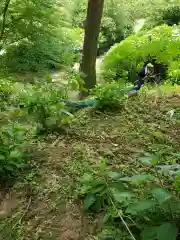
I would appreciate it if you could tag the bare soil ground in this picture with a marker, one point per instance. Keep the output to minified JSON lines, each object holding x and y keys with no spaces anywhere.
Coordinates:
{"x":45,"y":205}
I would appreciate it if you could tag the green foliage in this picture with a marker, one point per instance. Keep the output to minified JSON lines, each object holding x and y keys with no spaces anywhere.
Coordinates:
{"x":164,"y":231}
{"x":6,"y":89}
{"x":140,"y":203}
{"x":164,"y":12}
{"x":36,"y":36}
{"x":44,"y":103}
{"x":154,"y":12}
{"x":27,"y":57}
{"x":110,"y":95}
{"x":171,"y":15}
{"x":114,"y":24}
{"x":126,"y":58}
{"x":14,"y":141}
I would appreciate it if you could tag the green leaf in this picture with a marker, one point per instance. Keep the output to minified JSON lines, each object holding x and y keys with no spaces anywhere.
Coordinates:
{"x":167,"y":231}
{"x":177,"y":155}
{"x":154,"y":161}
{"x":97,"y":182}
{"x":99,"y":189}
{"x":161,"y":194}
{"x":149,"y":159}
{"x":103,"y":165}
{"x":106,"y":217}
{"x":84,"y":189}
{"x":2,"y":157}
{"x":122,"y":196}
{"x":86,"y":178}
{"x":158,"y":135}
{"x":137,"y":179}
{"x":114,"y":175}
{"x":96,"y":207}
{"x":171,"y":207}
{"x":15,"y":154}
{"x":146,"y":160}
{"x":140,"y":206}
{"x":149,"y":233}
{"x":89,"y":201}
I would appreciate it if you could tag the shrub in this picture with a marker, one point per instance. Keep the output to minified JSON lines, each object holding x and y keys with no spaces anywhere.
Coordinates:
{"x":44,"y":103}
{"x":170,"y":15}
{"x":126,"y":58}
{"x":6,"y":89}
{"x":46,"y":53}
{"x":110,"y":95}
{"x":14,"y":141}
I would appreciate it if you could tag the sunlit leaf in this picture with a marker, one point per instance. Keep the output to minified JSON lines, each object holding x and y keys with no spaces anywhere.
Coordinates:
{"x":147,"y":160}
{"x":86,"y":178}
{"x":122,"y":196}
{"x":114,"y":175}
{"x":140,"y":206}
{"x":137,"y":179}
{"x":161,"y":194}
{"x":103,"y":165}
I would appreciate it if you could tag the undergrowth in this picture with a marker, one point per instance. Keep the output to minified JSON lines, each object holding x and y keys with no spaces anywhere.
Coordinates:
{"x":127,"y":139}
{"x":139,"y":206}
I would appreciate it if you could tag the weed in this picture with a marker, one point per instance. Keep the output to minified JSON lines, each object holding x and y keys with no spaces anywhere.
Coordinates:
{"x":14,"y":140}
{"x":110,"y":95}
{"x":44,"y":103}
{"x":140,"y":203}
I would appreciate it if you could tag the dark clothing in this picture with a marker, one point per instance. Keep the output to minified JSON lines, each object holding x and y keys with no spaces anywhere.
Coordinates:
{"x":142,"y":75}
{"x":140,"y":83}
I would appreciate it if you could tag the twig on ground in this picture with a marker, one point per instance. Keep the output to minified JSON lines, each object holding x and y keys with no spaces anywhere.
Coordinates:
{"x":55,"y":142}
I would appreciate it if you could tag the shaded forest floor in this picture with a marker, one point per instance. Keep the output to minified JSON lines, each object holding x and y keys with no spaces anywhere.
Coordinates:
{"x":45,"y":205}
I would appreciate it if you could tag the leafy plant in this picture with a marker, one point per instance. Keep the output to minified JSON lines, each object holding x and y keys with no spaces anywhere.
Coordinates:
{"x":139,"y":203}
{"x":6,"y":90}
{"x":44,"y":103}
{"x":35,"y":36}
{"x":14,"y":141}
{"x":110,"y":95}
{"x":160,"y":45}
{"x":170,"y":15}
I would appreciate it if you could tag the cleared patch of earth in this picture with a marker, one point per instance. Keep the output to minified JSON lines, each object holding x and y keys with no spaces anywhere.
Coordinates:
{"x":48,"y":206}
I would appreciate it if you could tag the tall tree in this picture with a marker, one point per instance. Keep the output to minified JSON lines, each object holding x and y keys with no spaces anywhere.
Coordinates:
{"x":35,"y":35}
{"x":92,"y":29}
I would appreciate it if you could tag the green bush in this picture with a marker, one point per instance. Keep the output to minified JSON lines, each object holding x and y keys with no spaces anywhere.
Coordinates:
{"x":36,"y":36}
{"x":43,"y":102}
{"x":6,"y":89}
{"x":109,"y":95}
{"x":127,"y":57}
{"x":50,"y":53}
{"x":14,"y":142}
{"x":169,"y":14}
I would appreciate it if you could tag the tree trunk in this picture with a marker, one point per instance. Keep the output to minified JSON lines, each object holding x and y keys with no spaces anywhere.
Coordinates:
{"x":92,"y":29}
{"x":6,"y":6}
